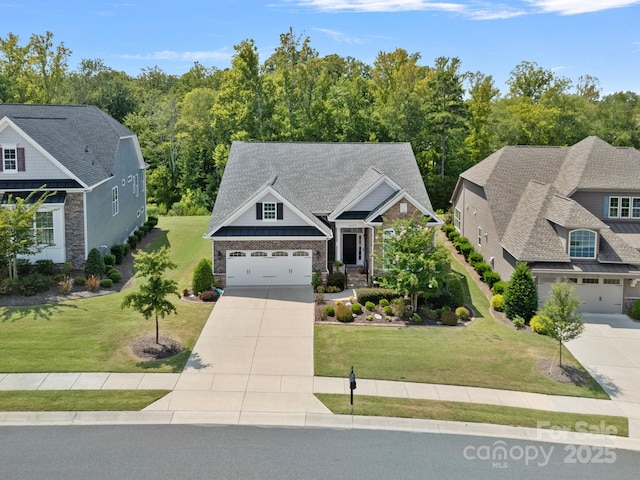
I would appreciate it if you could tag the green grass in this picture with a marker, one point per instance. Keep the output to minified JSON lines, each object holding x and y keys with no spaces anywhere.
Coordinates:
{"x":95,"y":334}
{"x":78,"y":400}
{"x":483,"y":354}
{"x":472,"y":412}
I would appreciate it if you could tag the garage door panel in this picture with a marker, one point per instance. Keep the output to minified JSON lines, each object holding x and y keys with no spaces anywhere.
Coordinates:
{"x":264,"y":268}
{"x":594,"y":298}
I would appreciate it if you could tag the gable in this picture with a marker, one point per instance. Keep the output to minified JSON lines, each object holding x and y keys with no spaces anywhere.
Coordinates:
{"x":250,"y":216}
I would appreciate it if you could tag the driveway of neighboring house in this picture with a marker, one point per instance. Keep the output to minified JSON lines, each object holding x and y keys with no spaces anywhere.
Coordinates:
{"x":254,"y":357}
{"x":609,"y":348}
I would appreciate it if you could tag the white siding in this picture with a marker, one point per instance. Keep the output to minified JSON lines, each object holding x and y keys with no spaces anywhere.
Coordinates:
{"x":36,"y":165}
{"x":374,"y":199}
{"x":248,"y":218}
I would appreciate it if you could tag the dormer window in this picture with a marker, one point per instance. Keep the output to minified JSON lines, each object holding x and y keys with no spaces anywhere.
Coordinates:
{"x":582,"y":244}
{"x":12,"y":159}
{"x":623,"y":207}
{"x":269,"y":211}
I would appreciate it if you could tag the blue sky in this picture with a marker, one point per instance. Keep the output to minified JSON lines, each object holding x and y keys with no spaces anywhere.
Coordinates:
{"x":572,"y":37}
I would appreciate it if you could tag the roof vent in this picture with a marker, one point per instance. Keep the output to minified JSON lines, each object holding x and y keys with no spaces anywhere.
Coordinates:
{"x":273,"y":180}
{"x":86,"y":149}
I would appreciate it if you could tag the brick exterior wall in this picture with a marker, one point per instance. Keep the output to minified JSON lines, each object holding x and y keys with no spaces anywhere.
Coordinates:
{"x":220,"y":261}
{"x":74,"y":229}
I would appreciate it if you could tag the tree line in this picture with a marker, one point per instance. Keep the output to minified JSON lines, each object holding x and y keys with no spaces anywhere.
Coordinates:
{"x":185,"y":123}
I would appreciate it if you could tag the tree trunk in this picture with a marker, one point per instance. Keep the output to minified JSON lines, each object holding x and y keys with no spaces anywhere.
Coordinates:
{"x":157,"y":331}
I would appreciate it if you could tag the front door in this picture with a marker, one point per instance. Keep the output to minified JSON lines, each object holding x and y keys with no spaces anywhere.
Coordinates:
{"x":349,"y":248}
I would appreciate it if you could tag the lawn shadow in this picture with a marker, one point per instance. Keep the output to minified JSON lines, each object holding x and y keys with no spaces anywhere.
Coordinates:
{"x":468,"y":298}
{"x":177,"y":362}
{"x":37,"y":312}
{"x":160,"y":239}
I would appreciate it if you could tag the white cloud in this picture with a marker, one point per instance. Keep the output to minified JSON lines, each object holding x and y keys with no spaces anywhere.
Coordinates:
{"x":574,"y":7}
{"x":170,"y":55}
{"x":379,"y":5}
{"x":339,"y":37}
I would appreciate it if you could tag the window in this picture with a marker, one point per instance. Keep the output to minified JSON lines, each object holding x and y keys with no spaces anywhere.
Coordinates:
{"x":300,"y":254}
{"x":403,"y":208}
{"x":9,"y":159}
{"x":479,"y":237}
{"x":237,"y":254}
{"x":279,"y":254}
{"x":624,"y":207}
{"x":115,"y":205}
{"x":582,"y":244}
{"x":572,"y":280}
{"x":136,"y":185}
{"x":456,"y":219}
{"x":611,"y":281}
{"x":44,"y":228}
{"x":591,"y":281}
{"x":258,"y":254}
{"x":268,"y":211}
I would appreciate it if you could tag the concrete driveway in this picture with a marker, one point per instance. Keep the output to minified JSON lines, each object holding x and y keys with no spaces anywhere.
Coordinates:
{"x":609,"y":349}
{"x":254,"y":357}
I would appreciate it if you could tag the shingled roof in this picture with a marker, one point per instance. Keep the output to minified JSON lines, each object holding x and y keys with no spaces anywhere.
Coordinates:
{"x":82,"y":138}
{"x":539,"y":181}
{"x":315,"y":177}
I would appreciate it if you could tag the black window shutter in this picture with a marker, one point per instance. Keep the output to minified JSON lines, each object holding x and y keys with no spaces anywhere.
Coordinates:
{"x":258,"y":211}
{"x":20,"y":155}
{"x":280,"y":213}
{"x":1,"y":160}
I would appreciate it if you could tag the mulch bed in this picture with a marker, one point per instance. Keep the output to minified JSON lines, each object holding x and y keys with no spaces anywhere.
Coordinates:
{"x":146,"y":348}
{"x":551,"y":368}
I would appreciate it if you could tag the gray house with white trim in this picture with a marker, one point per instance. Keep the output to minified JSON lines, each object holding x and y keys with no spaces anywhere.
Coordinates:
{"x":570,"y":212}
{"x":92,"y":162}
{"x":286,"y":209}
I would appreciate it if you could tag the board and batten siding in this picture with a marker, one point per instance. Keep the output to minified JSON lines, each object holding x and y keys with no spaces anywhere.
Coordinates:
{"x":248,"y":218}
{"x":37,"y":166}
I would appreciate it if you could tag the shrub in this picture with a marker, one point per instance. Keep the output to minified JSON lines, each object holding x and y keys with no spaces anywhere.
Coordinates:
{"x":448,"y":228}
{"x":399,"y":307}
{"x":95,"y":263}
{"x":322,"y":314}
{"x":337,"y":279}
{"x":482,"y":267}
{"x":454,"y":236}
{"x":132,"y":241}
{"x":541,"y":324}
{"x":115,"y":276}
{"x":491,"y":278}
{"x":9,"y":286}
{"x":65,"y":285}
{"x":369,"y":318}
{"x":370,"y":306}
{"x":109,"y":260}
{"x":521,"y":296}
{"x":463,"y":313}
{"x":374,"y":295}
{"x":139,"y":234}
{"x":24,"y":266}
{"x":459,"y":242}
{"x":356,"y":308}
{"x":92,"y":283}
{"x":203,"y":278}
{"x":106,"y":283}
{"x":45,"y":267}
{"x":209,"y":295}
{"x":316,"y":279}
{"x":635,"y":310}
{"x":429,"y":313}
{"x":454,"y":287}
{"x":320,"y":289}
{"x":320,"y":298}
{"x":66,"y":268}
{"x":475,"y":257}
{"x":80,"y":280}
{"x":383,"y":302}
{"x":329,"y":310}
{"x":449,"y":318}
{"x":499,"y":287}
{"x":152,"y":220}
{"x":497,"y":302}
{"x":30,"y":285}
{"x":388,"y":311}
{"x":417,"y":319}
{"x":443,"y":299}
{"x":118,"y":251}
{"x":343,"y":313}
{"x":518,"y":322}
{"x":466,"y":249}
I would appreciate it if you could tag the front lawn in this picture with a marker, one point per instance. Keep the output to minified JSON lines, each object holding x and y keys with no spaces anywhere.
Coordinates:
{"x":95,"y":334}
{"x":483,"y":354}
{"x":78,"y":400}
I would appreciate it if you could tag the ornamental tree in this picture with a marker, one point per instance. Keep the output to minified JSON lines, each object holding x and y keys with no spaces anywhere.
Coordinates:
{"x":412,"y":261}
{"x":151,"y":297}
{"x":561,"y":308}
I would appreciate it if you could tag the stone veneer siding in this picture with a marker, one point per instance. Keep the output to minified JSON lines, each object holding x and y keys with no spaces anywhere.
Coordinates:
{"x":220,"y":262}
{"x":74,"y":229}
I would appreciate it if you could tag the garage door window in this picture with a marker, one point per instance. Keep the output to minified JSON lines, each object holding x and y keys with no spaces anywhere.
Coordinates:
{"x":611,"y":281}
{"x":590,"y":280}
{"x":300,"y":254}
{"x":237,"y":254}
{"x":258,"y":254}
{"x":582,"y":244}
{"x":279,"y":254}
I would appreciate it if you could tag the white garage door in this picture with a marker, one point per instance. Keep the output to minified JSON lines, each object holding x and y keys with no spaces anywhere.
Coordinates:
{"x":595,"y":297}
{"x":268,"y":267}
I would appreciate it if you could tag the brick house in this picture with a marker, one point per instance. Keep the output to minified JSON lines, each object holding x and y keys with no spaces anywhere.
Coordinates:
{"x":286,"y":209}
{"x":92,"y":163}
{"x":572,"y":213}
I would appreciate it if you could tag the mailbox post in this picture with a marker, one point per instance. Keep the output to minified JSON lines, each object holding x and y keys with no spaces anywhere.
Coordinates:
{"x":352,"y":386}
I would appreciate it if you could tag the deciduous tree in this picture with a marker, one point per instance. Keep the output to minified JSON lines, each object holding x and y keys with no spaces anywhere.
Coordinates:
{"x":562,"y":309}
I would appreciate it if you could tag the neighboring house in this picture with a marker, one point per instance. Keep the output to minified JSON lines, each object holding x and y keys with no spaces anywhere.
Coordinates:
{"x":91,"y":161}
{"x":285,"y":209}
{"x":570,"y":212}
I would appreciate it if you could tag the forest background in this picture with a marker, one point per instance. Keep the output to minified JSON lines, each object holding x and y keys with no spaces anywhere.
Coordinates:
{"x":186,"y":123}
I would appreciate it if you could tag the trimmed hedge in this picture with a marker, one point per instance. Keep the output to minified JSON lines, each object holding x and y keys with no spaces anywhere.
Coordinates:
{"x":95,"y":263}
{"x":491,"y":278}
{"x":541,"y":324}
{"x":106,"y":283}
{"x":454,"y":287}
{"x":328,"y":309}
{"x":449,"y":318}
{"x":499,"y":287}
{"x":482,"y":267}
{"x":475,"y":257}
{"x":203,"y":278}
{"x":497,"y":302}
{"x":337,"y":279}
{"x":356,"y":308}
{"x":343,"y":313}
{"x":374,"y":295}
{"x":118,"y":250}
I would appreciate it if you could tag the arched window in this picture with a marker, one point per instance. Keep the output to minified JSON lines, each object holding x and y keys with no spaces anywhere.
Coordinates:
{"x":237,"y":254}
{"x":258,"y":254}
{"x":279,"y":254}
{"x":582,"y":244}
{"x":301,"y":254}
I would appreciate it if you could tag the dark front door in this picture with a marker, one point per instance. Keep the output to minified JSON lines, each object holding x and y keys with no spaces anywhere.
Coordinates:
{"x":349,"y":248}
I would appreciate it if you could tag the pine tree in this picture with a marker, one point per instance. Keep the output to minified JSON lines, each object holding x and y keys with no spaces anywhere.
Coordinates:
{"x":521,"y":296}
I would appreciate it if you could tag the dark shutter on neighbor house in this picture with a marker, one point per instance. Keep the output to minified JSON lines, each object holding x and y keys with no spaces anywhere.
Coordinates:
{"x":280,"y":211}
{"x":258,"y":211}
{"x":20,"y":155}
{"x":1,"y":160}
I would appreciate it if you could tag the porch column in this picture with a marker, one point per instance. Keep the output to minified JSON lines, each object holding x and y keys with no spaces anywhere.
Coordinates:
{"x":338,"y":243}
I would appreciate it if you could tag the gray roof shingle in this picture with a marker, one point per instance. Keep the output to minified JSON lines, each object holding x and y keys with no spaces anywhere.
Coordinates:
{"x":82,"y":138}
{"x":316,"y":177}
